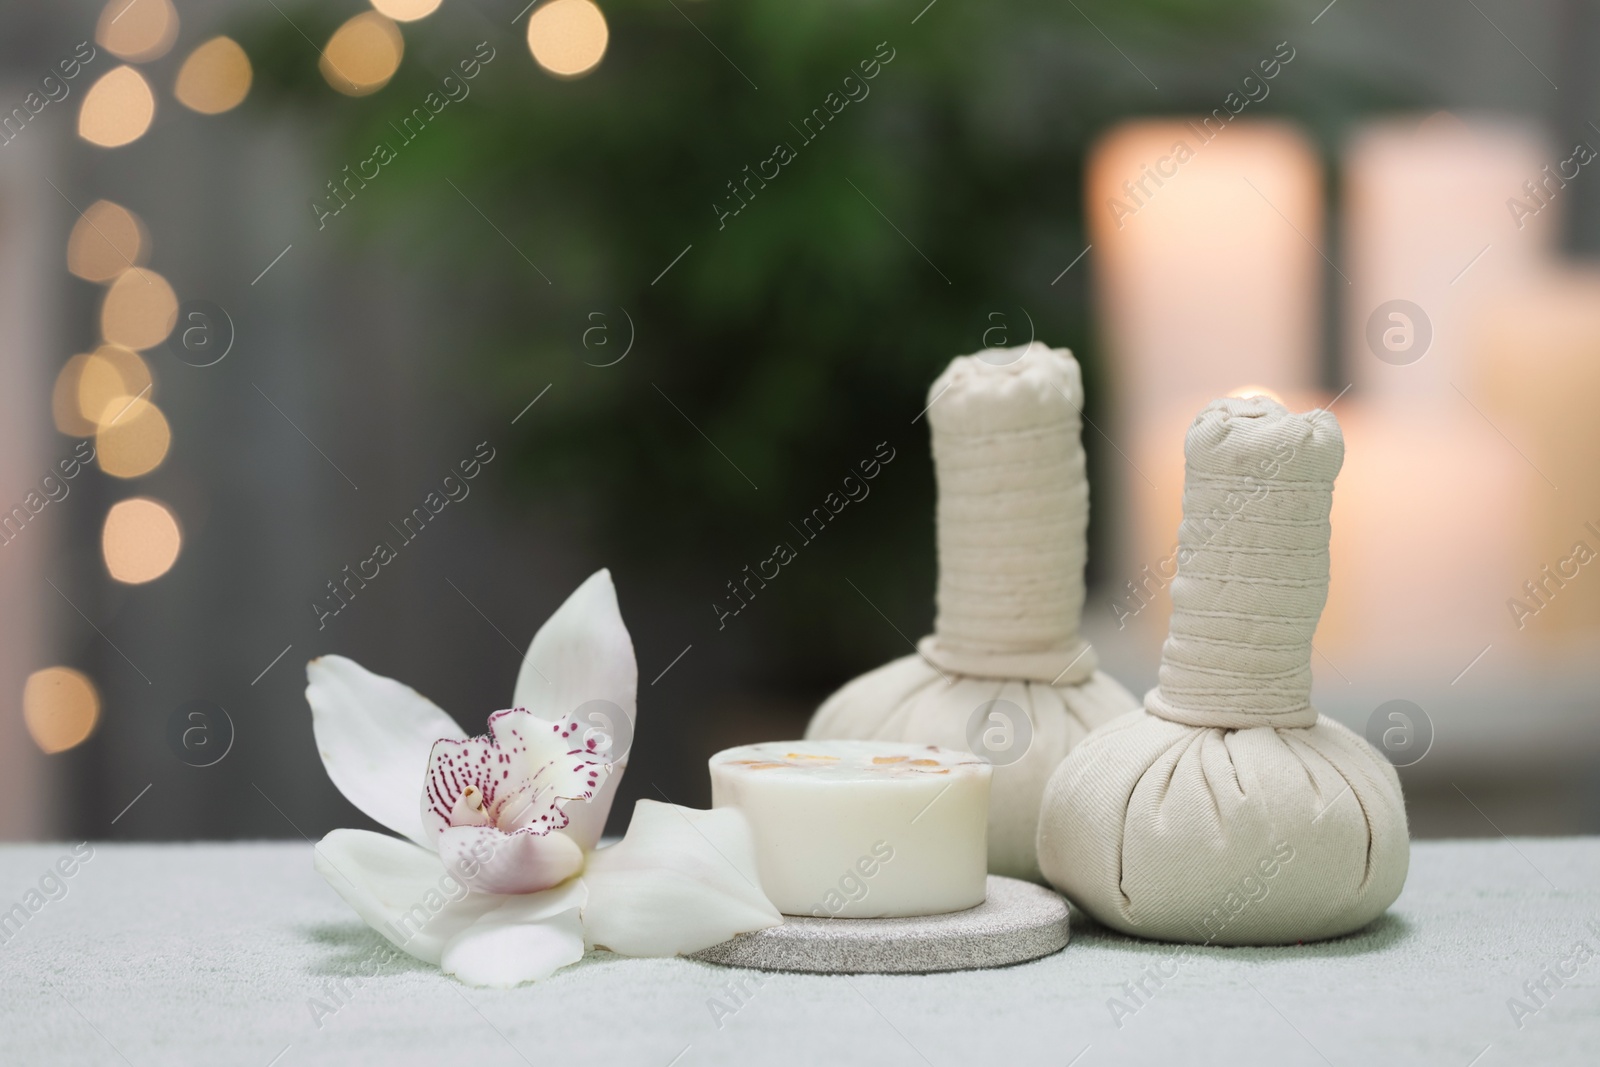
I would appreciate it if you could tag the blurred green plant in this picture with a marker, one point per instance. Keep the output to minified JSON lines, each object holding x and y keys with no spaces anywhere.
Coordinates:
{"x":798,"y":333}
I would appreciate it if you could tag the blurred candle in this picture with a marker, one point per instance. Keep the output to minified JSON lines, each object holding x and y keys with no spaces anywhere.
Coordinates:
{"x":1431,"y":516}
{"x":1208,"y":277}
{"x":1424,"y":549}
{"x":1438,"y":214}
{"x":1207,"y":273}
{"x":1536,"y":373}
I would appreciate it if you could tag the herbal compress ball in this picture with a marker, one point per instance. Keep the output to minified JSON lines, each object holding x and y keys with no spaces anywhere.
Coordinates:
{"x":1005,"y":673}
{"x":1227,"y":811}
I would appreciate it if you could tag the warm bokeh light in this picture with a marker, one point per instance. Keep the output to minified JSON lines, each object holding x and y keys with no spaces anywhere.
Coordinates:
{"x":139,"y":311}
{"x":100,"y":384}
{"x":137,"y":30}
{"x":215,"y":78}
{"x":64,"y":407}
{"x":106,"y":240}
{"x":90,"y":381}
{"x":1256,"y":390}
{"x":140,"y":541}
{"x":60,"y":706}
{"x":133,"y":438}
{"x":110,"y":373}
{"x":407,"y":10}
{"x":117,"y":109}
{"x":568,"y":37}
{"x":363,"y":54}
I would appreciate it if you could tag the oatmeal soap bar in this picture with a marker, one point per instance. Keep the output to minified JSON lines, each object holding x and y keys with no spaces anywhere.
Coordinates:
{"x":861,"y":829}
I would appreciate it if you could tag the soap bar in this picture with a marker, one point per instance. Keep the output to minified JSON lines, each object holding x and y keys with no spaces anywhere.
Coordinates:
{"x":861,"y":829}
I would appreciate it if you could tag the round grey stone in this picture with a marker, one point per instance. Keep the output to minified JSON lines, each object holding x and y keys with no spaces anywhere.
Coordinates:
{"x":1019,"y":921}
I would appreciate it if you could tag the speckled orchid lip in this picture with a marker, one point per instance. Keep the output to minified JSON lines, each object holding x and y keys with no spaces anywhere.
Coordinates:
{"x":499,"y":797}
{"x":516,"y":778}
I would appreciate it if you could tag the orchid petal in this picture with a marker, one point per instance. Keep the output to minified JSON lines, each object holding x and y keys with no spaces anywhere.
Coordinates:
{"x":400,"y":890}
{"x":679,"y":881}
{"x":375,"y":736}
{"x":581,"y":654}
{"x":493,"y":862}
{"x":525,"y":939}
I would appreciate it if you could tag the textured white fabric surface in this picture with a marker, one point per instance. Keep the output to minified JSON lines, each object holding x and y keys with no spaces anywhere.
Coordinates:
{"x":1012,"y":517}
{"x":207,"y":955}
{"x":1227,"y":811}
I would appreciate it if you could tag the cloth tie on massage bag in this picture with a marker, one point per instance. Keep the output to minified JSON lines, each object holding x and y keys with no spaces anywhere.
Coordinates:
{"x":1226,"y":810}
{"x":1005,"y":673}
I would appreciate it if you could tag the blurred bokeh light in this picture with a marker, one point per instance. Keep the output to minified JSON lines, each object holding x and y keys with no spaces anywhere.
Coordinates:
{"x":60,"y":706}
{"x":133,"y":438}
{"x":568,"y":37}
{"x":406,"y":10}
{"x":105,"y":241}
{"x":140,"y":540}
{"x":137,"y":30}
{"x":363,"y":54}
{"x":1256,"y":390}
{"x":117,"y":109}
{"x":110,"y":373}
{"x":139,"y":311}
{"x":214,"y":78}
{"x":89,"y":382}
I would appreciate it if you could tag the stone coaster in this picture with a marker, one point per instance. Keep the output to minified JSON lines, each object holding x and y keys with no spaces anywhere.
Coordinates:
{"x":1019,"y":921}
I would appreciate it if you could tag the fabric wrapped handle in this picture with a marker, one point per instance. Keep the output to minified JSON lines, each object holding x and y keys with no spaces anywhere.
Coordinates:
{"x":1013,"y":517}
{"x":1252,"y":566}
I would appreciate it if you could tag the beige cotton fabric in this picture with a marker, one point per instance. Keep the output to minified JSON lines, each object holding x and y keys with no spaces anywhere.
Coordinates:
{"x":1227,"y":811}
{"x":1012,"y":519}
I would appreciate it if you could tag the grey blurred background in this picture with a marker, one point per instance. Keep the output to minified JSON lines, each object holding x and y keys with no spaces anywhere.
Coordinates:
{"x":370,"y":356}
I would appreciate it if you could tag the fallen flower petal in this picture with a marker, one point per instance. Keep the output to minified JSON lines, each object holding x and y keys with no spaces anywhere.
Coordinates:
{"x":525,"y":939}
{"x":679,"y":881}
{"x":400,"y":890}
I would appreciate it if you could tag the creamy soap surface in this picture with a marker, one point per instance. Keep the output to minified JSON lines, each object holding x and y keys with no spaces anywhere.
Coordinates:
{"x":861,"y":829}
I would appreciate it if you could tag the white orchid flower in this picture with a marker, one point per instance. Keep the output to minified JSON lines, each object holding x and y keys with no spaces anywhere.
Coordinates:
{"x":499,"y":882}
